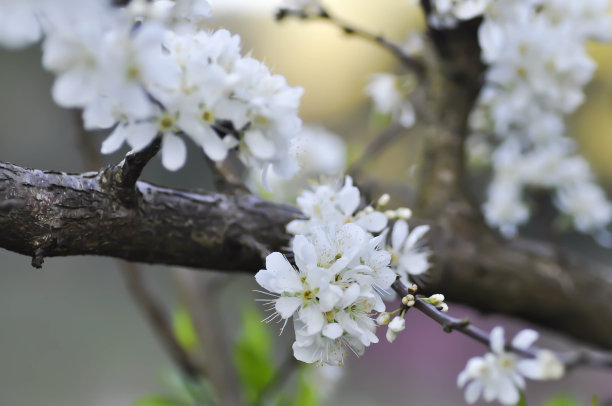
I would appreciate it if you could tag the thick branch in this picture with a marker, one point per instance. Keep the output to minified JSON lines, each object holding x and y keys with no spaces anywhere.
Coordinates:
{"x":65,"y":214}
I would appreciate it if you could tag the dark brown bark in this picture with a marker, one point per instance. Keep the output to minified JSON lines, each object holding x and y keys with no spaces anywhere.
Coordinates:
{"x":57,"y":214}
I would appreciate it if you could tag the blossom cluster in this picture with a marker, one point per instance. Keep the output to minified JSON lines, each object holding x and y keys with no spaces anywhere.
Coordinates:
{"x":500,"y":375}
{"x":343,"y":267}
{"x":532,"y":84}
{"x":153,"y":69}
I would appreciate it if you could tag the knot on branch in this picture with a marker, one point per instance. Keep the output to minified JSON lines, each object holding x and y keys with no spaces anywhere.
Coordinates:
{"x":120,"y":180}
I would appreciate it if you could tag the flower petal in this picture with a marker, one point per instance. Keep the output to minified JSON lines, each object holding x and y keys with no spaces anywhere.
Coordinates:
{"x":174,"y":152}
{"x":525,"y":339}
{"x":497,"y":340}
{"x":333,"y":331}
{"x":399,"y":234}
{"x":286,"y":306}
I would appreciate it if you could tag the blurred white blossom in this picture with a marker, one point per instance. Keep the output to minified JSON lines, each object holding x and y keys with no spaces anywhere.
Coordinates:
{"x":499,"y":375}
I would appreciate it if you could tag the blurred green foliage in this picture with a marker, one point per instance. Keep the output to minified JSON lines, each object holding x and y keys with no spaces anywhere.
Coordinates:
{"x":184,"y":331}
{"x":253,"y":357}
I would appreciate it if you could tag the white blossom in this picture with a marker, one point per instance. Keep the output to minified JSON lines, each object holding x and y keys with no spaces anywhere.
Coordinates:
{"x":409,"y":256}
{"x":499,"y":375}
{"x":19,"y":23}
{"x":384,"y":89}
{"x":334,"y":203}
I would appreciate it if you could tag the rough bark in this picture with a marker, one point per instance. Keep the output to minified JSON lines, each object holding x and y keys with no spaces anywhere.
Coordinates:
{"x":56,"y":214}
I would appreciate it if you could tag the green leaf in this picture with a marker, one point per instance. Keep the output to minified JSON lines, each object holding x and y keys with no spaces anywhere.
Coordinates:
{"x":253,"y":355}
{"x":595,"y":402}
{"x":562,"y":401}
{"x":184,"y":331}
{"x":160,"y":400}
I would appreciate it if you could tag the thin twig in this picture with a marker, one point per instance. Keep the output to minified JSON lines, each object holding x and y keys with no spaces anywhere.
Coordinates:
{"x":159,"y":321}
{"x":414,"y":64}
{"x":128,"y":171}
{"x":571,"y":359}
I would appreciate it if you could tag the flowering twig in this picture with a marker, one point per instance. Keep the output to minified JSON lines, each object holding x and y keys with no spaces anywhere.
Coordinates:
{"x":414,"y":64}
{"x":571,"y":359}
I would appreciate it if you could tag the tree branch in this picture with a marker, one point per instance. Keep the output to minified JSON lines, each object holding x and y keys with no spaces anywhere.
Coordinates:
{"x":66,"y":214}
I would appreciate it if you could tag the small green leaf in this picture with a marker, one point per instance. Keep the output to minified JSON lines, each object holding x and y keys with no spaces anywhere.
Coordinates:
{"x":595,"y":402}
{"x":160,"y":400}
{"x":562,"y":401}
{"x":184,"y":331}
{"x":253,"y":355}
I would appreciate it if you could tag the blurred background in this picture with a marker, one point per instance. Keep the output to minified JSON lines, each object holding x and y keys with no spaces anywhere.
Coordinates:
{"x":70,"y":334}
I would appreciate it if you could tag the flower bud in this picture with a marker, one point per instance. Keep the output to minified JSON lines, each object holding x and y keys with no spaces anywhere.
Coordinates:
{"x":443,"y":307}
{"x":390,"y":214}
{"x":383,"y":319}
{"x":368,"y":210}
{"x":436,"y":299}
{"x":406,"y":299}
{"x":398,"y":324}
{"x":391,"y":335}
{"x":413,"y":288}
{"x":384,"y":200}
{"x":404,"y":213}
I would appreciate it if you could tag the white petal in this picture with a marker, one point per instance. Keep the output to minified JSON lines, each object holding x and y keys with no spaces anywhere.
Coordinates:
{"x":333,"y":331}
{"x":286,"y":306}
{"x":497,"y":340}
{"x":329,"y":297}
{"x":312,"y":318}
{"x":350,"y":295}
{"x":373,"y":222}
{"x":264,"y":278}
{"x":507,"y":394}
{"x":525,"y":339}
{"x":399,"y":234}
{"x":286,"y":278}
{"x":348,"y":199}
{"x":416,"y":235}
{"x":305,"y":253}
{"x":260,"y":146}
{"x":114,"y":141}
{"x":414,"y":263}
{"x":140,"y":135}
{"x":174,"y":152}
{"x":473,"y":391}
